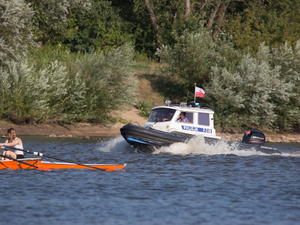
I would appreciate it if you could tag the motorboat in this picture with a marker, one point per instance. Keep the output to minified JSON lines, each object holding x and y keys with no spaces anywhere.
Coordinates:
{"x":171,"y":123}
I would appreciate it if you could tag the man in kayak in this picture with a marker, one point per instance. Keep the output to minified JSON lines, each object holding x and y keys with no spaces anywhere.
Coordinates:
{"x":13,"y":141}
{"x":182,"y":118}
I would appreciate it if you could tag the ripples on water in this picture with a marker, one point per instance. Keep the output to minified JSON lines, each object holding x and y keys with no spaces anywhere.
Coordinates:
{"x":186,"y":183}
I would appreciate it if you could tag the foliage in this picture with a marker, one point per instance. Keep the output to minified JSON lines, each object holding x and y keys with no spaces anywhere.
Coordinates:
{"x":288,"y":58}
{"x":260,"y":90}
{"x":85,"y":89}
{"x":84,"y":69}
{"x":252,"y":94}
{"x":108,"y":78}
{"x":145,"y":107}
{"x":44,"y":56}
{"x":193,"y":56}
{"x":170,"y":17}
{"x":15,"y":30}
{"x":124,"y":121}
{"x":51,"y":17}
{"x":98,"y":29}
{"x":273,"y":22}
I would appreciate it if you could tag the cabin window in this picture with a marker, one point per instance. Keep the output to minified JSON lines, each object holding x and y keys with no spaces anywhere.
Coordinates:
{"x":185,"y":117}
{"x":203,"y":119}
{"x":190,"y":117}
{"x":161,"y":115}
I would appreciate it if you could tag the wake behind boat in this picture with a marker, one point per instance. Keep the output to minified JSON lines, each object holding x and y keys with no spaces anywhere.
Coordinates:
{"x":168,"y":124}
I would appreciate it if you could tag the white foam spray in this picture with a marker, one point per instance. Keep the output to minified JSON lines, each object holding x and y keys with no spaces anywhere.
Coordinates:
{"x":113,"y":145}
{"x":197,"y":146}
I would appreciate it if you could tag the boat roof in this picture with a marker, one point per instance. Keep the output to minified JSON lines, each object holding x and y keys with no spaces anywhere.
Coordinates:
{"x":189,"y":107}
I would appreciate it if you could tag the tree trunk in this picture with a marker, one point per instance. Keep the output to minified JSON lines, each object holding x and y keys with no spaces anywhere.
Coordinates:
{"x":220,"y":18}
{"x":213,"y":16}
{"x":187,"y":10}
{"x":154,"y":22}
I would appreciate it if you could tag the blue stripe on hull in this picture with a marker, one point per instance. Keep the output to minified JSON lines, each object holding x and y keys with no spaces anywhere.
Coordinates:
{"x":130,"y":139}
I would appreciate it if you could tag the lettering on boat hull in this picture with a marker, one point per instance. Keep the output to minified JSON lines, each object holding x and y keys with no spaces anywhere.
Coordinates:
{"x":196,"y":129}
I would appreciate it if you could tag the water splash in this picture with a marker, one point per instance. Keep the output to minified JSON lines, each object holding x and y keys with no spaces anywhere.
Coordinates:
{"x":197,"y":146}
{"x":117,"y":144}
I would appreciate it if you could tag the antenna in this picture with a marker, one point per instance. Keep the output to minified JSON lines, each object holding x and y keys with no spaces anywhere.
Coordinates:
{"x":187,"y":96}
{"x":195,"y":94}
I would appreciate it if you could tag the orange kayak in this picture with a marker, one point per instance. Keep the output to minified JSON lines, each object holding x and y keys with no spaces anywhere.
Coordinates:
{"x":33,"y":163}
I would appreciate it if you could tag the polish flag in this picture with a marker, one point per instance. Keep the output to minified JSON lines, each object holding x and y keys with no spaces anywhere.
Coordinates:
{"x":199,"y":92}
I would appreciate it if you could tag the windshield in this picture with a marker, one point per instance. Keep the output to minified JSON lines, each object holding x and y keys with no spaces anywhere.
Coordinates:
{"x":161,"y":115}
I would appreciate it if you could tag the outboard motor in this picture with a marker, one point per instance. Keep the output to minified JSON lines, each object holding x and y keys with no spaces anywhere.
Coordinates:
{"x":254,"y":137}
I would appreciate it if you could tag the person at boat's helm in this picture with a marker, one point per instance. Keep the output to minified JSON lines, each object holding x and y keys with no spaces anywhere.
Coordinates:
{"x":158,"y":117}
{"x":13,"y":141}
{"x":169,"y":116}
{"x":182,"y":118}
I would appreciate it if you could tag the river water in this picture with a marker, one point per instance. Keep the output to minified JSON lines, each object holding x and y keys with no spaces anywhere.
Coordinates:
{"x":192,"y":183}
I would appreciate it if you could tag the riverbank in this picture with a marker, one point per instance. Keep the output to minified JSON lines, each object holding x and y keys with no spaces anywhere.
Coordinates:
{"x":97,"y":131}
{"x":89,"y":131}
{"x":79,"y":130}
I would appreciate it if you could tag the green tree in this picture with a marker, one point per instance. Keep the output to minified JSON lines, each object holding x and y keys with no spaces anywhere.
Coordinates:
{"x":86,"y":88}
{"x":51,"y":17}
{"x":245,"y":90}
{"x":194,"y":54}
{"x":99,"y":29}
{"x":156,"y":21}
{"x":272,"y":21}
{"x":109,"y":81}
{"x":248,"y":95}
{"x":288,"y":58}
{"x":15,"y":30}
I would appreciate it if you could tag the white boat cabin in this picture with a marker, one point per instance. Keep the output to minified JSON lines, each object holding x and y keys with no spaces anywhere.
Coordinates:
{"x":183,"y":118}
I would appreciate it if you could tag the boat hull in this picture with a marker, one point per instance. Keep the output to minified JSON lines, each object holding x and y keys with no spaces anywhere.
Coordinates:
{"x":146,"y":139}
{"x":37,"y":162}
{"x":14,"y":165}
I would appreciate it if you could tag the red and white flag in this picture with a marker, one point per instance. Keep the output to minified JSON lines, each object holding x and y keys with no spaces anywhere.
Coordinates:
{"x":199,"y":92}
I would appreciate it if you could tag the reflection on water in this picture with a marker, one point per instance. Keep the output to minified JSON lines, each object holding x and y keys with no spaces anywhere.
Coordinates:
{"x":185,"y":183}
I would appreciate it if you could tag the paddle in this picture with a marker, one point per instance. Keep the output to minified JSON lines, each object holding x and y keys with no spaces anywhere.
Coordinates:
{"x":28,"y":164}
{"x":51,"y":157}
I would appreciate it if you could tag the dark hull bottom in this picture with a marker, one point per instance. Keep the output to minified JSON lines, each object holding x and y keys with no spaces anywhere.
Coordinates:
{"x":146,"y":139}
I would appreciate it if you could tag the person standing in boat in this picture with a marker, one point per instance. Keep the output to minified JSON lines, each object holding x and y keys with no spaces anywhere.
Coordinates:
{"x":13,"y":141}
{"x":182,"y":118}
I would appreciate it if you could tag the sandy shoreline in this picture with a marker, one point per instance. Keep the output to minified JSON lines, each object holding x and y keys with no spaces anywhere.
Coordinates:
{"x":97,"y":131}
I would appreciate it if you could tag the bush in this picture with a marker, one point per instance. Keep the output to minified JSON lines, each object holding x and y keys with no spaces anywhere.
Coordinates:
{"x":250,"y":94}
{"x":86,"y":88}
{"x":193,"y":56}
{"x":244,"y":90}
{"x":145,"y":107}
{"x":15,"y":31}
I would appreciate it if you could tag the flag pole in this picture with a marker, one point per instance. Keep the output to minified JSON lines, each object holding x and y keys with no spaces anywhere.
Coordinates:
{"x":195,"y":94}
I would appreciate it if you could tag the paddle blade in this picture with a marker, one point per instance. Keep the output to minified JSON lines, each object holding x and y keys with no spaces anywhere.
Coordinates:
{"x":45,"y":169}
